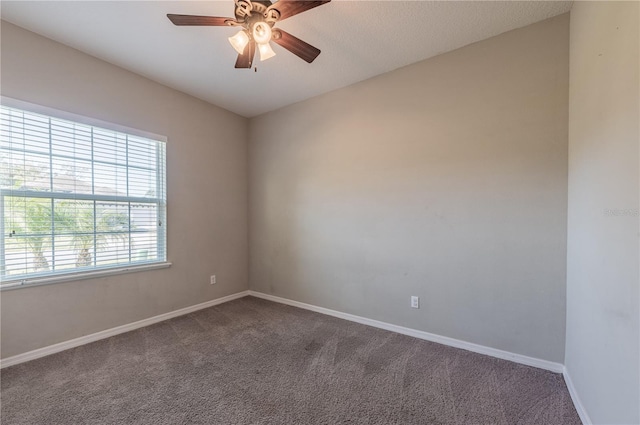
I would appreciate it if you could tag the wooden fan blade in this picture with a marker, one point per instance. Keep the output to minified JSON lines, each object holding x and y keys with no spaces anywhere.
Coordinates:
{"x":212,"y":21}
{"x":288,"y":8}
{"x":245,"y":60}
{"x":296,"y":46}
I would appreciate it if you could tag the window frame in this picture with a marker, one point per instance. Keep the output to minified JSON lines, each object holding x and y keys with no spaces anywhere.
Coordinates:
{"x":35,"y":279}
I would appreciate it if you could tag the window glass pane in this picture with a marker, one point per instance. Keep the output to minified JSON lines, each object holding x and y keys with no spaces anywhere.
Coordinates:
{"x":144,"y":217}
{"x":112,"y":217}
{"x":142,"y":152}
{"x":71,"y":175}
{"x":11,"y":130}
{"x":17,"y":256}
{"x":144,"y":246}
{"x":26,"y":131}
{"x":110,"y":179}
{"x":6,"y":178}
{"x":70,"y":140}
{"x":10,"y":175}
{"x":65,"y":253}
{"x":142,"y":183}
{"x":28,"y":216}
{"x":113,"y":250}
{"x":144,"y":226}
{"x":5,"y":138}
{"x":109,"y":146}
{"x":112,"y":237}
{"x":25,"y":171}
{"x":28,"y":221}
{"x":75,"y":234}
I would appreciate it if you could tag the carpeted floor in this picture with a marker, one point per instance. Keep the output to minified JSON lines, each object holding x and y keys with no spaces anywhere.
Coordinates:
{"x":252,"y":361}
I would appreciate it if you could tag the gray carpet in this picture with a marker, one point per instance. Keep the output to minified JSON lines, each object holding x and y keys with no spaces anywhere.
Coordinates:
{"x":252,"y":361}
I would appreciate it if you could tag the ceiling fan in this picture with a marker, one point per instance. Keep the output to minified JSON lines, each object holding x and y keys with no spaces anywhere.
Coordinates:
{"x":256,"y":19}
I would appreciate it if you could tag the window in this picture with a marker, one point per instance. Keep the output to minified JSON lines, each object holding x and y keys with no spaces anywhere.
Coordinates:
{"x":77,"y":198}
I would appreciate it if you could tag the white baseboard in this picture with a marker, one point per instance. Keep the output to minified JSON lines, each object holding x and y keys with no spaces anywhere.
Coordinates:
{"x":56,"y":348}
{"x":582,"y":412}
{"x":476,"y":348}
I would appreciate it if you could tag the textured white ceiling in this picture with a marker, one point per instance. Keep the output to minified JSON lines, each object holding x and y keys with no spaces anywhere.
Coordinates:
{"x":358,"y":39}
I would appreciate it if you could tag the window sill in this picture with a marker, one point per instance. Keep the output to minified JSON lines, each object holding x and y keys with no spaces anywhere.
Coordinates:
{"x":27,"y":283}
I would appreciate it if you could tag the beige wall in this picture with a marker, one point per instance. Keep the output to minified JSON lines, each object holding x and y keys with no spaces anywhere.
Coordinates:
{"x":602,"y":354}
{"x":446,"y":179}
{"x":206,"y":190}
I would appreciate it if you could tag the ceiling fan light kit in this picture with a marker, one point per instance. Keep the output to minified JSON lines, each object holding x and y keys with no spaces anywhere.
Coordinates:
{"x":239,"y":41}
{"x":256,"y":19}
{"x":266,"y":51}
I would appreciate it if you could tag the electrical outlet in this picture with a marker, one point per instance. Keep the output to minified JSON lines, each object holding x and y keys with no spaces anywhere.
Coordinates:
{"x":213,"y":279}
{"x":415,"y":302}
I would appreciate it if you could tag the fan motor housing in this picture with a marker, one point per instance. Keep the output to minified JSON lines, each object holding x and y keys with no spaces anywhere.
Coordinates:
{"x":257,"y":10}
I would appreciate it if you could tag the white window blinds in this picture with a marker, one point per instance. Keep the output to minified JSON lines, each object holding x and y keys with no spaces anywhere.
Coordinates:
{"x":75,"y":197}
